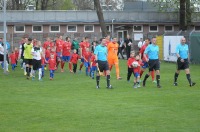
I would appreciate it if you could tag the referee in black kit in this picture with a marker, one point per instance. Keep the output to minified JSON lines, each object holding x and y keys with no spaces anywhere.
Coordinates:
{"x":101,"y":53}
{"x":152,"y":51}
{"x":182,"y":53}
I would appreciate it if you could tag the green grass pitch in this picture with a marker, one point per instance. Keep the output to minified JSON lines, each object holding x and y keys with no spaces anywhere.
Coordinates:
{"x":71,"y":103}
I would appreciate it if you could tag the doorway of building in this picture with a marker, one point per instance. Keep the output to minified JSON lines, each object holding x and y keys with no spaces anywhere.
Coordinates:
{"x":122,"y":34}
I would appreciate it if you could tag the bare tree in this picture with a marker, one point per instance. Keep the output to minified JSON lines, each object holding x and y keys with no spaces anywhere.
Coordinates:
{"x":100,"y":17}
{"x":84,"y":4}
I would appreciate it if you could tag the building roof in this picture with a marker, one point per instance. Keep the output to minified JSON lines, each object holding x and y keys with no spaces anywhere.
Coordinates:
{"x":79,"y":17}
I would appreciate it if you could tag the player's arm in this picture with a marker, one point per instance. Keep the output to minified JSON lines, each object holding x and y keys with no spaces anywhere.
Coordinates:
{"x":81,"y":52}
{"x":32,"y":52}
{"x":20,"y":51}
{"x":129,"y":63}
{"x":141,"y":51}
{"x":145,"y":54}
{"x":178,"y":55}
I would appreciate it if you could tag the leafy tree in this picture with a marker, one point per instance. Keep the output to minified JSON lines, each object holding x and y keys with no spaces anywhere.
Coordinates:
{"x":184,"y":7}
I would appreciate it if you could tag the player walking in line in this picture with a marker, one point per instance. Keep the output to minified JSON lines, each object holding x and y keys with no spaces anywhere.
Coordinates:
{"x":153,"y":60}
{"x":130,"y":67}
{"x":101,"y":53}
{"x":66,"y":53}
{"x":112,"y":56}
{"x":59,"y":46}
{"x":145,"y":63}
{"x":37,"y":56}
{"x":74,"y":60}
{"x":83,"y":45}
{"x":28,"y":57}
{"x":182,"y":53}
{"x":52,"y":66}
{"x":13,"y":60}
{"x":136,"y":69}
{"x":87,"y":57}
{"x":93,"y":65}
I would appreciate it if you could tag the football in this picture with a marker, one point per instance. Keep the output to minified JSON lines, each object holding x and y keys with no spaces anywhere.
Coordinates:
{"x":135,"y":64}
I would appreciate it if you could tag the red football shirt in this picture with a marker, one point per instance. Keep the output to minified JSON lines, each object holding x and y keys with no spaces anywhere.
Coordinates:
{"x":142,"y":52}
{"x":13,"y":58}
{"x":87,"y":56}
{"x":59,"y":45}
{"x":137,"y":69}
{"x":130,"y":61}
{"x":54,"y":53}
{"x":84,"y":45}
{"x":74,"y":58}
{"x":16,"y":54}
{"x":47,"y":53}
{"x":93,"y":60}
{"x":46,"y":44}
{"x":52,"y":64}
{"x":66,"y":50}
{"x":42,"y":61}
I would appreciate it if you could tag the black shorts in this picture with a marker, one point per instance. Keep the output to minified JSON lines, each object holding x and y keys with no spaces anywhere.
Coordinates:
{"x":154,"y":65}
{"x":182,"y":65}
{"x":1,"y":57}
{"x":28,"y":61}
{"x":103,"y":66}
{"x":36,"y":64}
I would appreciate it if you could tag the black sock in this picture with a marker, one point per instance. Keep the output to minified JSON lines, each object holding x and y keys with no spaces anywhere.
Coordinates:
{"x":158,"y":79}
{"x":188,"y":78}
{"x":146,"y":76}
{"x":108,"y":80}
{"x":175,"y":77}
{"x":97,"y":79}
{"x":27,"y":71}
{"x":138,"y":83}
{"x":129,"y":73}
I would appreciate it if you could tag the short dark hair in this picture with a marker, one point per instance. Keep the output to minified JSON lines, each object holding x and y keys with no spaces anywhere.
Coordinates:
{"x":29,"y":39}
{"x":66,"y":38}
{"x":148,"y":39}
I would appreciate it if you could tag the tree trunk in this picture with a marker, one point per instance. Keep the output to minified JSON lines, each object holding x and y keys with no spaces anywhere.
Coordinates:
{"x":44,"y":4}
{"x":100,"y":17}
{"x":182,"y":18}
{"x":17,"y":4}
{"x":13,"y":5}
{"x":188,"y":13}
{"x":37,"y":4}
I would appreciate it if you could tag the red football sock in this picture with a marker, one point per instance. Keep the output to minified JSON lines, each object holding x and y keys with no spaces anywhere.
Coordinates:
{"x":70,"y":66}
{"x":141,"y":72}
{"x":62,"y":64}
{"x":152,"y":75}
{"x":81,"y":66}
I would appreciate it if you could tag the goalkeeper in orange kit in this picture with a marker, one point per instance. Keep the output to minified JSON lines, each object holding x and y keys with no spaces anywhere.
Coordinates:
{"x":112,"y":56}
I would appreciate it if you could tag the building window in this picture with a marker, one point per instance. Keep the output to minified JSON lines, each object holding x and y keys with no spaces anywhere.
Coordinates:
{"x":19,"y":29}
{"x":153,"y":28}
{"x":197,"y":28}
{"x":89,"y":28}
{"x":169,"y":28}
{"x":71,"y":28}
{"x":54,"y":28}
{"x":37,"y":28}
{"x":1,"y":29}
{"x":107,"y":27}
{"x":137,"y":28}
